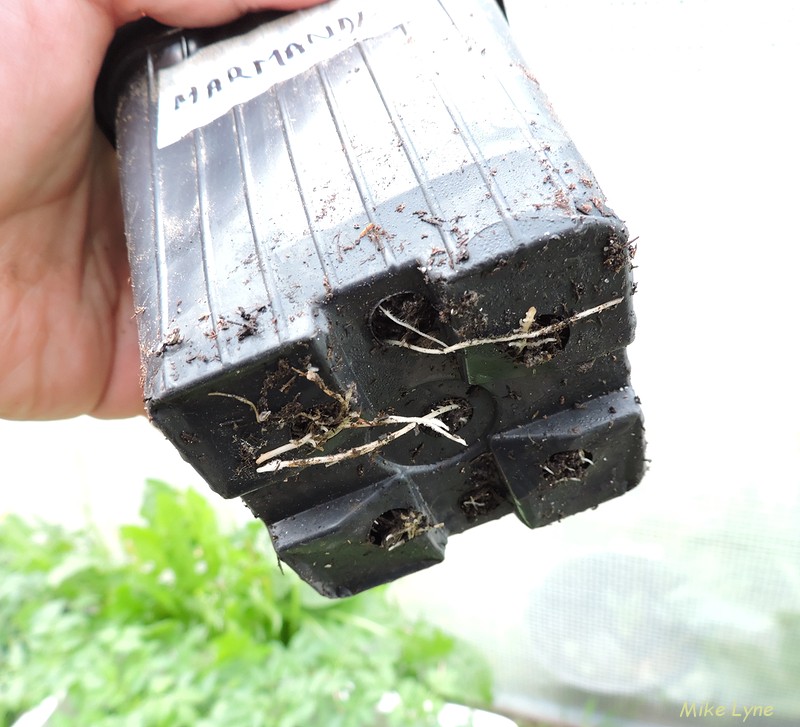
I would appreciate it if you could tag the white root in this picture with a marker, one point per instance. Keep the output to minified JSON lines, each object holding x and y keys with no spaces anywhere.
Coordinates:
{"x":261,"y":416}
{"x":288,"y":447}
{"x":402,"y":323}
{"x":411,"y":532}
{"x":525,"y":326}
{"x":528,"y":336}
{"x":270,"y":462}
{"x":429,"y":420}
{"x":280,"y":464}
{"x":411,"y":423}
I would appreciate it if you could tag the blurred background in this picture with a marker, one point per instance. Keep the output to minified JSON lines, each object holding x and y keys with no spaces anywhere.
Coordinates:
{"x":688,"y":588}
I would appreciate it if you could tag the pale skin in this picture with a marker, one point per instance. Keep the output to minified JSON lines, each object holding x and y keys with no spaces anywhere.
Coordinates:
{"x":70,"y":344}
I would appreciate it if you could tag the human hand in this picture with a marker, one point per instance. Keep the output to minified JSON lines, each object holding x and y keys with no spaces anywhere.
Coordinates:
{"x":65,"y":298}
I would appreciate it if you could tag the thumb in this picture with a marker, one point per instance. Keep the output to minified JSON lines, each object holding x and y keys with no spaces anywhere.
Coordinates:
{"x":195,"y":12}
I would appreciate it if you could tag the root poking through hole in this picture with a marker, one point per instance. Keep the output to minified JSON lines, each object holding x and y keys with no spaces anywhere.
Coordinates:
{"x":270,"y":464}
{"x":566,"y":466}
{"x":261,"y":416}
{"x":538,"y":351}
{"x":398,"y":526}
{"x":544,"y":336}
{"x":406,"y":317}
{"x":485,"y":490}
{"x":316,"y":426}
{"x":459,"y":414}
{"x":478,"y":503}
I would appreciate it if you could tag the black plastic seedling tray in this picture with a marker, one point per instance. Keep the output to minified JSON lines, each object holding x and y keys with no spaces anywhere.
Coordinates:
{"x":380,"y":296}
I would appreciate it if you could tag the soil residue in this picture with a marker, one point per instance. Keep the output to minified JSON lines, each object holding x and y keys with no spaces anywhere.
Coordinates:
{"x":565,"y":466}
{"x":299,"y":419}
{"x":486,"y":487}
{"x":617,"y":254}
{"x":398,"y":526}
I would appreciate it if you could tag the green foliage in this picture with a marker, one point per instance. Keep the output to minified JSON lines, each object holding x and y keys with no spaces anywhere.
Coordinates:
{"x":196,"y":626}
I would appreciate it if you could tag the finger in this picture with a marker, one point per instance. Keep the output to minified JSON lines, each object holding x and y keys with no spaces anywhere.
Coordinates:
{"x":196,"y":12}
